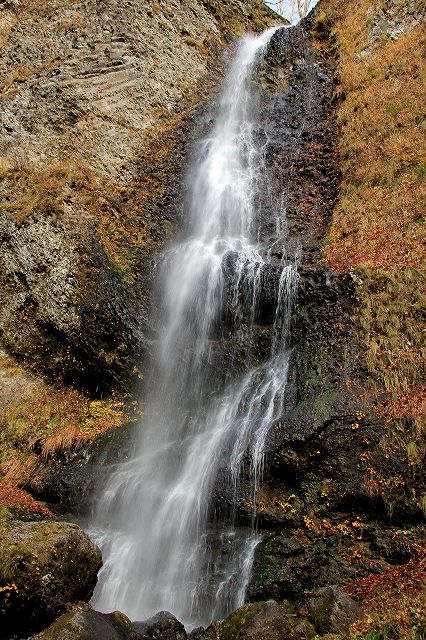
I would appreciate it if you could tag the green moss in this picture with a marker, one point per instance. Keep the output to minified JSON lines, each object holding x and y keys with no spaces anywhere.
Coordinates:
{"x":320,"y":617}
{"x":64,"y":627}
{"x":11,"y":558}
{"x":420,"y":171}
{"x":233,"y":627}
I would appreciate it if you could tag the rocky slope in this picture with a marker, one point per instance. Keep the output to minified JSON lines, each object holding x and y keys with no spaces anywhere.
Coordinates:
{"x":88,"y":91}
{"x":96,"y":107}
{"x":344,"y":487}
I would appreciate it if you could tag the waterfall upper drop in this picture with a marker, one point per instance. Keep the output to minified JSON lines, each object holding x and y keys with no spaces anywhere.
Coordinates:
{"x":160,"y":546}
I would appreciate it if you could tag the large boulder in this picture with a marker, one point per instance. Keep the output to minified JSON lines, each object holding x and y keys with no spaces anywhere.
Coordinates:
{"x":83,"y":623}
{"x":43,"y":566}
{"x":163,"y":626}
{"x":331,"y":610}
{"x":261,"y":621}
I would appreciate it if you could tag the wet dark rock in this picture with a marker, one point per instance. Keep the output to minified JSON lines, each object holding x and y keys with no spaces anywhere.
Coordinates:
{"x":72,"y":486}
{"x":83,"y":623}
{"x":44,"y":566}
{"x":196,"y":634}
{"x":396,"y":546}
{"x":301,"y":138}
{"x":288,"y":568}
{"x":162,"y":626}
{"x":331,"y":610}
{"x":261,"y":621}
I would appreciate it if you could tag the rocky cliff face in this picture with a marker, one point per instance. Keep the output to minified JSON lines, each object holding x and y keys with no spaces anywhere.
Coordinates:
{"x":97,"y":104}
{"x":96,"y":129}
{"x":93,"y":96}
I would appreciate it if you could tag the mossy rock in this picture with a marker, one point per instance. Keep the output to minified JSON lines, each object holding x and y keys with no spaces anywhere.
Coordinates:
{"x":43,"y":566}
{"x":86,"y":624}
{"x":260,"y":621}
{"x":332,"y":610}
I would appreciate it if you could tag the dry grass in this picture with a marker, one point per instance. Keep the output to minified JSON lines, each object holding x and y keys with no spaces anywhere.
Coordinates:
{"x":379,"y":220}
{"x":257,"y":16}
{"x":378,"y":225}
{"x":40,"y":8}
{"x":50,"y":424}
{"x":58,"y":420}
{"x":378,"y":229}
{"x":34,"y":191}
{"x":75,"y":21}
{"x":21,"y":74}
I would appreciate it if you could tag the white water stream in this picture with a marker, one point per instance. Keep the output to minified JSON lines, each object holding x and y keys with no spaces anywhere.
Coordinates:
{"x":160,"y":551}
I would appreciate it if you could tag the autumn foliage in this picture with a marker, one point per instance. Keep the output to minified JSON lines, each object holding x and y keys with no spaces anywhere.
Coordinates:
{"x":394,"y":602}
{"x":377,"y":232}
{"x":49,"y":423}
{"x":12,"y":497}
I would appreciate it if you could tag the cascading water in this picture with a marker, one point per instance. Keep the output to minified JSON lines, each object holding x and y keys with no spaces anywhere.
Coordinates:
{"x":160,"y":548}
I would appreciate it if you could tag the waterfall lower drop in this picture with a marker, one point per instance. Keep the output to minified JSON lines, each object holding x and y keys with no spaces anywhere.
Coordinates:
{"x":162,"y":549}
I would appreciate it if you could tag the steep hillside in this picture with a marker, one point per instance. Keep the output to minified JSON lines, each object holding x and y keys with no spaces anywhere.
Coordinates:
{"x":101,"y":104}
{"x":378,"y":232}
{"x":97,"y":100}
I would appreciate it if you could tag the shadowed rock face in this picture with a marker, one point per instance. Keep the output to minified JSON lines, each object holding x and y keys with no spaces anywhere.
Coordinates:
{"x":301,"y":134}
{"x":63,"y":310}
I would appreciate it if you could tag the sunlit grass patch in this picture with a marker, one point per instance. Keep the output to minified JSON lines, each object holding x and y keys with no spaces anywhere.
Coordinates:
{"x":51,"y":424}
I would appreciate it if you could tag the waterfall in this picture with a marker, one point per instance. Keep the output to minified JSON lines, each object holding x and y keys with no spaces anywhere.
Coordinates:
{"x":162,"y":548}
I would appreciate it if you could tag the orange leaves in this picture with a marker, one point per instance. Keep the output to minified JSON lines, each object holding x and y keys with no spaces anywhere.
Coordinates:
{"x":394,"y":602}
{"x":60,"y":420}
{"x":410,"y":577}
{"x":325,"y":527}
{"x":12,"y":497}
{"x":411,"y":405}
{"x":51,"y":423}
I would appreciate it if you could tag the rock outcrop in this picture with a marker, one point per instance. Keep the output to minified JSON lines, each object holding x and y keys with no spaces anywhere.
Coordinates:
{"x":43,"y":567}
{"x":331,"y":610}
{"x":83,"y":623}
{"x":93,"y":99}
{"x":261,"y":621}
{"x":162,"y":626}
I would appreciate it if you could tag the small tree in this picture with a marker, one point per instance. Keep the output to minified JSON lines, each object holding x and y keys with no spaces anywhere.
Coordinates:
{"x":296,"y":8}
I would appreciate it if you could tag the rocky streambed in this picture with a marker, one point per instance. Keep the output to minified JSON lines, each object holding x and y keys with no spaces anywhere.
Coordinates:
{"x":50,"y":568}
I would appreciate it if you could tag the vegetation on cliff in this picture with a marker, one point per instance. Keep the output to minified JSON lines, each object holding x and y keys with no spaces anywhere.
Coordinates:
{"x":378,"y":235}
{"x":113,"y":177}
{"x":377,"y":232}
{"x":42,"y":423}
